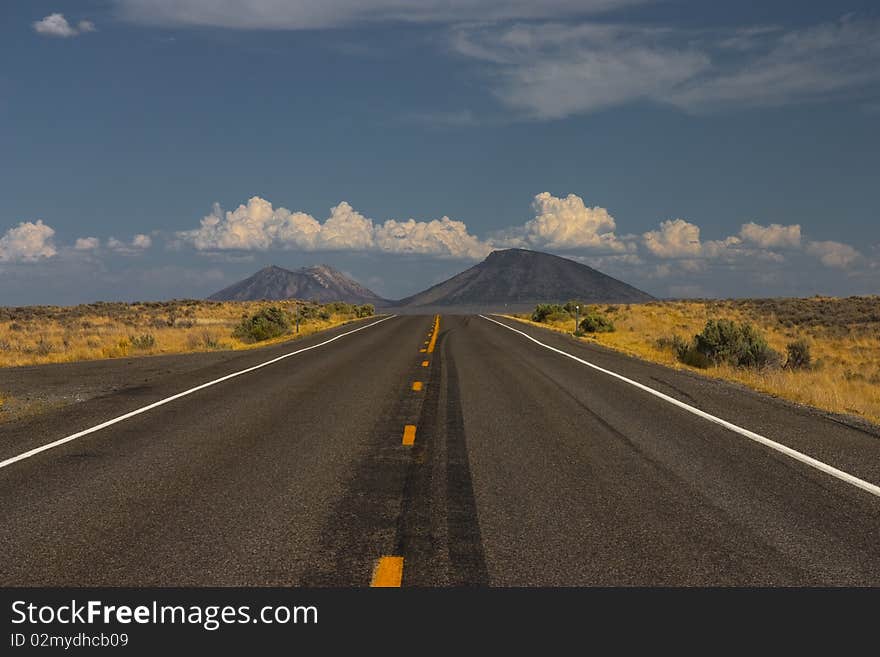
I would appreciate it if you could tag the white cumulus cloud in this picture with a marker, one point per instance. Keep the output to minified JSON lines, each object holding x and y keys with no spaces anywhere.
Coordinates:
{"x":258,"y":226}
{"x":251,"y":226}
{"x":834,"y":254}
{"x":676,"y":238}
{"x":56,"y":25}
{"x":346,"y":229}
{"x":680,"y":240}
{"x":566,"y":223}
{"x":87,"y":244}
{"x":438,"y":236}
{"x":27,"y":242}
{"x":141,"y":241}
{"x":773,"y":236}
{"x":138,"y":244}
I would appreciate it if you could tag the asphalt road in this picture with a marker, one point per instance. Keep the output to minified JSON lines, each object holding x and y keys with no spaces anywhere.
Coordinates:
{"x":527,"y":468}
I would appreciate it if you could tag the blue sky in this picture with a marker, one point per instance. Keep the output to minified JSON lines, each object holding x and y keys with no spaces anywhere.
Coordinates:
{"x":689,"y":148}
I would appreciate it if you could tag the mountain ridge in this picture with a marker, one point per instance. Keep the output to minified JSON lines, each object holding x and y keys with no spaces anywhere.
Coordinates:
{"x":520,"y":277}
{"x":319,"y":283}
{"x":507,"y":278}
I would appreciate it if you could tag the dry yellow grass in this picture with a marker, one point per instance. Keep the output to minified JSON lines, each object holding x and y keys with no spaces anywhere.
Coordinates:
{"x":54,"y":334}
{"x":843,"y":334}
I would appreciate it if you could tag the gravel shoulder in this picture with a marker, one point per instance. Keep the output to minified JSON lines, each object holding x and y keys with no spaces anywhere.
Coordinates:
{"x":36,"y":389}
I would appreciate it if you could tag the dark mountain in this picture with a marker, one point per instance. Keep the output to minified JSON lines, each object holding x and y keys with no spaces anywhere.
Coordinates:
{"x":321,"y":283}
{"x":518,"y":278}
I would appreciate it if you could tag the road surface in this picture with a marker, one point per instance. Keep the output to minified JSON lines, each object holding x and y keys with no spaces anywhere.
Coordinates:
{"x":526,"y":468}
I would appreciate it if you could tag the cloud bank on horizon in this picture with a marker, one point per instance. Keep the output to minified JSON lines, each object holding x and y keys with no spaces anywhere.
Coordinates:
{"x":560,"y":224}
{"x":33,"y":241}
{"x":565,"y":225}
{"x":258,"y":226}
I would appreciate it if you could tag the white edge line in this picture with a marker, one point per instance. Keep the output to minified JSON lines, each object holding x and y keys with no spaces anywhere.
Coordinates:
{"x":162,"y":402}
{"x":758,"y":438}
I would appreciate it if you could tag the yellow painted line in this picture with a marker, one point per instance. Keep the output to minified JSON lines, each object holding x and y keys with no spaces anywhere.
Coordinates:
{"x":417,"y":385}
{"x":388,"y":572}
{"x":409,"y":434}
{"x":425,"y":363}
{"x":434,"y":333}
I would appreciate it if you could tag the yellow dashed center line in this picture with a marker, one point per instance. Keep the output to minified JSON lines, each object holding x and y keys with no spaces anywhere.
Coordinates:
{"x":388,"y":572}
{"x":434,"y":332}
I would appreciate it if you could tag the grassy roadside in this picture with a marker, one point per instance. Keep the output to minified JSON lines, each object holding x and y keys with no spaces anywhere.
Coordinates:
{"x":36,"y":335}
{"x":39,"y":335}
{"x":843,"y":336}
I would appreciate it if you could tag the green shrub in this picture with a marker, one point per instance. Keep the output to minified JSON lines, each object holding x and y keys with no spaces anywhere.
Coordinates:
{"x":544,"y":311}
{"x":677,"y":344}
{"x":142,"y":342}
{"x":740,"y":345}
{"x":265,"y":324}
{"x":593,"y":322}
{"x":690,"y":356}
{"x":309,"y":311}
{"x":720,"y":341}
{"x":757,"y":352}
{"x":340,"y":308}
{"x":366,"y":310}
{"x":799,"y":357}
{"x":561,"y":317}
